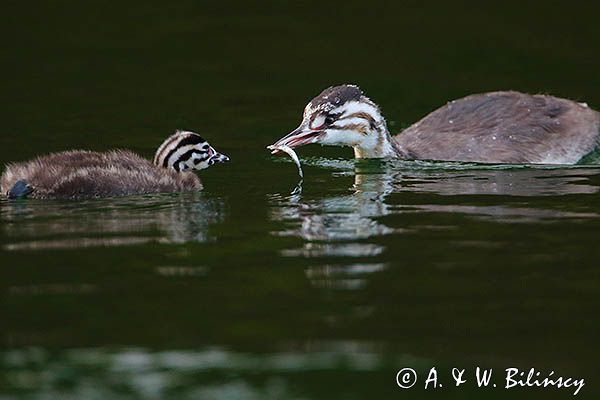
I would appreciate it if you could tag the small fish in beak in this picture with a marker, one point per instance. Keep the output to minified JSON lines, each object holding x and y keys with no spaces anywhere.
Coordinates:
{"x":290,"y":152}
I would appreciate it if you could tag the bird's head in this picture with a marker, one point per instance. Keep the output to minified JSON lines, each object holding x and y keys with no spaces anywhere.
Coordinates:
{"x":187,"y":151}
{"x":342,"y":116}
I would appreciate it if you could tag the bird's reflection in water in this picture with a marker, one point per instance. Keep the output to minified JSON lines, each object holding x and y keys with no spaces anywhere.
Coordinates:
{"x":179,"y":218}
{"x":348,"y":276}
{"x":310,"y":250}
{"x":338,"y":218}
{"x":528,"y":182}
{"x":347,"y":225}
{"x":354,"y":216}
{"x":499,"y":184}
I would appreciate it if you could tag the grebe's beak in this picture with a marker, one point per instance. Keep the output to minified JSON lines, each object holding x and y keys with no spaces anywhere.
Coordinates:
{"x":218,"y":158}
{"x":298,"y":137}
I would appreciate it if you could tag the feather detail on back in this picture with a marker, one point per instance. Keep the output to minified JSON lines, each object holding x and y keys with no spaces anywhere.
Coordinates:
{"x":81,"y":174}
{"x":504,"y":127}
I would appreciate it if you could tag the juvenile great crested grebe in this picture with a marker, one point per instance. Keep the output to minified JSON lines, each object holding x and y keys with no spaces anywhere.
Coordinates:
{"x":79,"y":174}
{"x":496,"y":127}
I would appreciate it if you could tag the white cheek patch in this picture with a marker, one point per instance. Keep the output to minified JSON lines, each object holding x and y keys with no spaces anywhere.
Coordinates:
{"x":198,"y":163}
{"x":202,"y":165}
{"x":317,"y":122}
{"x":369,"y":141}
{"x":350,"y":121}
{"x":341,"y":137}
{"x":191,"y":164}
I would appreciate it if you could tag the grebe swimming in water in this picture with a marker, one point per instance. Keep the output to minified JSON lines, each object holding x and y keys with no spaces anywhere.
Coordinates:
{"x":79,"y":174}
{"x":496,"y":127}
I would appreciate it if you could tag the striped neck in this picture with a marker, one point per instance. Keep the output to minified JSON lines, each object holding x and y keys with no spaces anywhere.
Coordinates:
{"x":380,"y":145}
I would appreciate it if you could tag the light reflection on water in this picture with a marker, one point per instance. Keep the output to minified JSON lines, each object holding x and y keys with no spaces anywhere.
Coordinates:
{"x":383,"y":188}
{"x":346,"y":233}
{"x":387,"y":252}
{"x":349,"y":276}
{"x":191,"y":374}
{"x":380,"y":189}
{"x":454,"y":178}
{"x":310,"y":250}
{"x":180,"y":218}
{"x":500,"y":213}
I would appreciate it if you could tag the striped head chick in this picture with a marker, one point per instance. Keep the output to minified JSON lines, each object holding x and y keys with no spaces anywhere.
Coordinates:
{"x":343,"y":116}
{"x":185,"y":151}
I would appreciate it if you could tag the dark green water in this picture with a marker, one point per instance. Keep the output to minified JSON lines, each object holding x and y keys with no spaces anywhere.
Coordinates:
{"x":247,"y":291}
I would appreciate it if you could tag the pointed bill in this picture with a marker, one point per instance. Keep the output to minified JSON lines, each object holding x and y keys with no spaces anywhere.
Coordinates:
{"x":298,"y":137}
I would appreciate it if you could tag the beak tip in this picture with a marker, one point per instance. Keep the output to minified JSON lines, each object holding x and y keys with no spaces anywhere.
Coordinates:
{"x":220,"y":158}
{"x":273,"y":148}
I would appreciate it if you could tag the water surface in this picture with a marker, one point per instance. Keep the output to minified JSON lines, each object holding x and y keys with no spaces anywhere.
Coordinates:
{"x":257,"y":288}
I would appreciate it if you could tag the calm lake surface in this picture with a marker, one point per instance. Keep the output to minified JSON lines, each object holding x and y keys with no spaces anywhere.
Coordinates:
{"x":256,"y":288}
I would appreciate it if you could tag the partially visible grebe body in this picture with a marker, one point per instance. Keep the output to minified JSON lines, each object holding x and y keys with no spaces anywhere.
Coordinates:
{"x":504,"y":127}
{"x":79,"y":174}
{"x":496,"y":127}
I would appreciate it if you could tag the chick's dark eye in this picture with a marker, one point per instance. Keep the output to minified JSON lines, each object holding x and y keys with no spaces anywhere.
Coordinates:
{"x":329,"y":119}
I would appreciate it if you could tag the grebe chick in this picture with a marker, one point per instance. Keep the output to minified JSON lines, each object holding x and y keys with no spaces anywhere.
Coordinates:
{"x":79,"y":174}
{"x":497,"y":127}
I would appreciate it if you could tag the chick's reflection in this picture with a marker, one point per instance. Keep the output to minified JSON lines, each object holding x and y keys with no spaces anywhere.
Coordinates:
{"x":180,"y":218}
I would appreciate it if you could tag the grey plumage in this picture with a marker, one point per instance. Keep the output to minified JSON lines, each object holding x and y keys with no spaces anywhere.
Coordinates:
{"x":504,"y":127}
{"x":81,"y":174}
